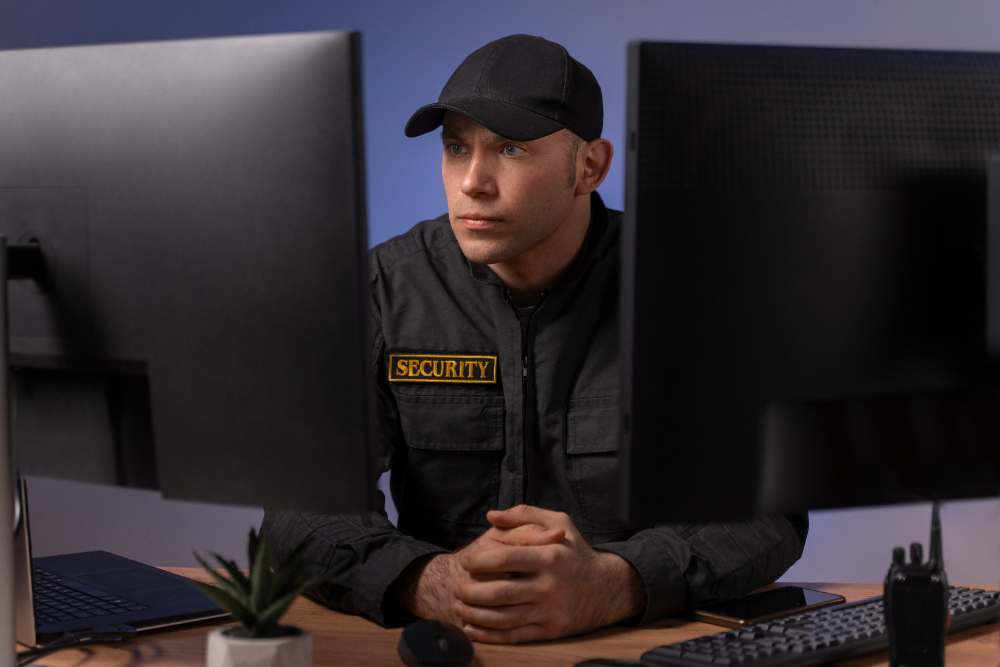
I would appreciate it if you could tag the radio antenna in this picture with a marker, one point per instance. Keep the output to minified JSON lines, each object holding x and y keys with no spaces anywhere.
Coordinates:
{"x":936,"y":557}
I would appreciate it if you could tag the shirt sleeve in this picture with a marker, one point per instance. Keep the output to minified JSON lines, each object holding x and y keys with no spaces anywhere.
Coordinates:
{"x":361,"y":554}
{"x":690,"y":565}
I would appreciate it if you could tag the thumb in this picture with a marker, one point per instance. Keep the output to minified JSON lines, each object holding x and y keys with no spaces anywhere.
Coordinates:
{"x":525,"y":514}
{"x":529,"y":535}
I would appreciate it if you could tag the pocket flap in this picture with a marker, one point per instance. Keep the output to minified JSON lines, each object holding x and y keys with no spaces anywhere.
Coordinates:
{"x":454,"y":423}
{"x":592,"y":425}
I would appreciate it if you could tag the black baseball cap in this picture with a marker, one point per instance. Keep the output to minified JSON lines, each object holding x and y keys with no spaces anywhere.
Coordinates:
{"x":521,"y":87}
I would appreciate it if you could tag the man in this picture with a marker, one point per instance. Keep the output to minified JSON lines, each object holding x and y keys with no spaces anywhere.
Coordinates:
{"x":496,"y":368}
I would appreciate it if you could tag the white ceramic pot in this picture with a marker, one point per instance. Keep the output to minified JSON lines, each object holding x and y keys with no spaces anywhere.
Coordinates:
{"x":228,"y":650}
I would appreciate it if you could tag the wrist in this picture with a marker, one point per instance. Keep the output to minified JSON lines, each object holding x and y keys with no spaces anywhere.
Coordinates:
{"x":626,"y":589}
{"x":405,"y":588}
{"x":424,"y":587}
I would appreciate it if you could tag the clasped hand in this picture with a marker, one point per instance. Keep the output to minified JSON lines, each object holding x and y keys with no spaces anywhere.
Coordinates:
{"x":530,"y":577}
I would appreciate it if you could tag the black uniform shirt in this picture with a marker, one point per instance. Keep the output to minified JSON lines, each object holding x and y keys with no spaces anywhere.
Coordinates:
{"x":483,"y":406}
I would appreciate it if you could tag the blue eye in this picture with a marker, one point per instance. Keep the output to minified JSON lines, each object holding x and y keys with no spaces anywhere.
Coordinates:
{"x":455,"y":149}
{"x":512,"y":151}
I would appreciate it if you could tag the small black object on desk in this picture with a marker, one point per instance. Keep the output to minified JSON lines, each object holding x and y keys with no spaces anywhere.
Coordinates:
{"x":916,"y":604}
{"x":425,"y":643}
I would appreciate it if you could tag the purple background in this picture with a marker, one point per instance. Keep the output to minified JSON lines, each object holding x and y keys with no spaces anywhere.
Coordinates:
{"x":410,"y":48}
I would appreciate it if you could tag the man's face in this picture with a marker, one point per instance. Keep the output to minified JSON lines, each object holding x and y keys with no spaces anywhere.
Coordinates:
{"x":505,"y":198}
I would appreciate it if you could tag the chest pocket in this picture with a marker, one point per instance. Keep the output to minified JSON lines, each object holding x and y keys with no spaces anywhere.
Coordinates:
{"x":592,"y":446}
{"x":453,"y":465}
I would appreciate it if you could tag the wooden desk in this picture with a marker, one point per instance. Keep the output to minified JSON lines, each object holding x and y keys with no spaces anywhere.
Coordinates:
{"x":339,"y":639}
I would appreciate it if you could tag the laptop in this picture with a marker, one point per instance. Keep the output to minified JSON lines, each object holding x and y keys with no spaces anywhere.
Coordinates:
{"x":94,"y":590}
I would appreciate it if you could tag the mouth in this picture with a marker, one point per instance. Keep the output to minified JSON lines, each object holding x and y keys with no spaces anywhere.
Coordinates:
{"x":477,"y":222}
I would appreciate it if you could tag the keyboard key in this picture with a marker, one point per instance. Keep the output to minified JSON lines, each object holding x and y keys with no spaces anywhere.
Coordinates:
{"x":699,"y":657}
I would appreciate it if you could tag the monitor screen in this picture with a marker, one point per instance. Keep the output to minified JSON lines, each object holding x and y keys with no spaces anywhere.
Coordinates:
{"x":804,"y":279}
{"x":199,"y":324}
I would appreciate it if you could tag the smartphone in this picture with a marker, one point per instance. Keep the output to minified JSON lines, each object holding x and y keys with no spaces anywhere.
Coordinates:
{"x":765,"y":606}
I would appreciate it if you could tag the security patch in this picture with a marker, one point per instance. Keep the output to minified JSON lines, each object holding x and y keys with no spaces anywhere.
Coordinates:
{"x":458,"y":368}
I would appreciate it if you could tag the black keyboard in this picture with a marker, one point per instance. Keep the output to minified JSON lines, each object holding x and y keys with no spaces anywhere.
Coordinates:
{"x":832,"y":633}
{"x":58,"y":599}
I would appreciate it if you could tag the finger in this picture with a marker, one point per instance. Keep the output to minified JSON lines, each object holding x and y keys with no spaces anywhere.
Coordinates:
{"x":528,"y":535}
{"x":525,"y":633}
{"x":497,"y":618}
{"x":510,"y":559}
{"x":494,"y":593}
{"x":523,"y":514}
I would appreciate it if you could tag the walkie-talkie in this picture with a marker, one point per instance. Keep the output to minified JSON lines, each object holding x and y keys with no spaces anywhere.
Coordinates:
{"x":916,"y":604}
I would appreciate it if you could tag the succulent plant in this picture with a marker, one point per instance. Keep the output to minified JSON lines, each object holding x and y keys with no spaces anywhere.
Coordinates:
{"x":259,"y":601}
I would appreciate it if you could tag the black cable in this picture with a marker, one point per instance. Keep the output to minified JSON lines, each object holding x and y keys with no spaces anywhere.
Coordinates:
{"x":76,"y":640}
{"x":45,"y":650}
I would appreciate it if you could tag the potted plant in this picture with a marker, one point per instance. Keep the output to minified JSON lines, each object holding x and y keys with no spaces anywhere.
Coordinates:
{"x":258,"y":602}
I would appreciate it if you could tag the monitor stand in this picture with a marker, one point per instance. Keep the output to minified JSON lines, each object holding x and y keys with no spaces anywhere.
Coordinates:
{"x":16,"y":261}
{"x":7,"y":593}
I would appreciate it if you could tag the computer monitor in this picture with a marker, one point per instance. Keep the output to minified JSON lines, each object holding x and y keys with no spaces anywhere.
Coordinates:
{"x":804,"y":283}
{"x":200,"y":323}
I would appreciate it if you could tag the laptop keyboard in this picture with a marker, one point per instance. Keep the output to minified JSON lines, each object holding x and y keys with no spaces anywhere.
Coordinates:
{"x":58,"y":599}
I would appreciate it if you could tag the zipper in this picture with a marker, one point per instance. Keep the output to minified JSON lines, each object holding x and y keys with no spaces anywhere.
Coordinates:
{"x":524,"y":402}
{"x":525,"y":434}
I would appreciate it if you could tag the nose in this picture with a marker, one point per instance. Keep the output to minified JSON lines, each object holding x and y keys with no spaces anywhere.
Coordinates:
{"x":479,"y":179}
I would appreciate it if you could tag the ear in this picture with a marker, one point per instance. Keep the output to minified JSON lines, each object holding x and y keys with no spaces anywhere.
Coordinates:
{"x":593,"y":162}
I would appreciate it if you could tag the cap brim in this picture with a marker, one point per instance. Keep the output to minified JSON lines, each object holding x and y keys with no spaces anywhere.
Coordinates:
{"x":509,"y":121}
